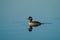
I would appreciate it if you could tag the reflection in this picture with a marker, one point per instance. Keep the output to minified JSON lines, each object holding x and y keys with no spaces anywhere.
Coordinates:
{"x":30,"y":28}
{"x":34,"y":23}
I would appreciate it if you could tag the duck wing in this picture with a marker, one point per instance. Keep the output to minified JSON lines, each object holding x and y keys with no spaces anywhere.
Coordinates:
{"x":35,"y":22}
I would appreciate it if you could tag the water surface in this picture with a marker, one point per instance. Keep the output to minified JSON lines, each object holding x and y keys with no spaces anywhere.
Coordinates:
{"x":14,"y":22}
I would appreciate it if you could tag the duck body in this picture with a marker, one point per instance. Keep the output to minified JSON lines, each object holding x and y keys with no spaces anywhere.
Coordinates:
{"x":34,"y":23}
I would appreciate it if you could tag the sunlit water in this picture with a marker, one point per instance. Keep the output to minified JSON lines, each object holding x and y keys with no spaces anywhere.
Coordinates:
{"x":14,"y":22}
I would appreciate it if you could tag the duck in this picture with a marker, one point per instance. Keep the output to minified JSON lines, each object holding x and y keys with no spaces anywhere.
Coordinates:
{"x":33,"y":23}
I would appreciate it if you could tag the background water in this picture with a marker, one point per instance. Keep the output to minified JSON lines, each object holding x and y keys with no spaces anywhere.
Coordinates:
{"x":14,"y":22}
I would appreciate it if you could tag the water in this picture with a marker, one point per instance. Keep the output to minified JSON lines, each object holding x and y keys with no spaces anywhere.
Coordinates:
{"x":14,"y":22}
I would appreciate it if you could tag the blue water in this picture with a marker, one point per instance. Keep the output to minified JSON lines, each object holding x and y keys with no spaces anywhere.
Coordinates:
{"x":14,"y":22}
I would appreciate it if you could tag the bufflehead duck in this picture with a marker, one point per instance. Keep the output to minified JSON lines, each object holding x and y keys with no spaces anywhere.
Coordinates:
{"x":32,"y":23}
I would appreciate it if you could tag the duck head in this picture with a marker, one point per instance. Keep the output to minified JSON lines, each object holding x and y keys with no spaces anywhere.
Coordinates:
{"x":30,"y":18}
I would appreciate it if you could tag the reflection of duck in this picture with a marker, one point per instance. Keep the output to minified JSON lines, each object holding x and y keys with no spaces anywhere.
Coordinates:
{"x":33,"y":23}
